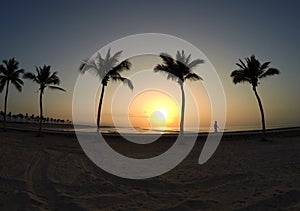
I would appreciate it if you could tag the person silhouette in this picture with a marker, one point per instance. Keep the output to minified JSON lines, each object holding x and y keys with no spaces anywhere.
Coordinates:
{"x":216,"y":126}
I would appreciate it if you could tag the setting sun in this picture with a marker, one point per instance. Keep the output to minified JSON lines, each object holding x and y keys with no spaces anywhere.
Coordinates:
{"x":154,"y":109}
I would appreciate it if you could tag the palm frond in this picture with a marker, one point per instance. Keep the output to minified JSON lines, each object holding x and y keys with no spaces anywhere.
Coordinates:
{"x":110,"y":61}
{"x":90,"y":65}
{"x":161,"y":68}
{"x":167,"y":59}
{"x":264,"y":66}
{"x":116,"y":56}
{"x":243,"y":66}
{"x":30,"y":76}
{"x":11,"y":64}
{"x":17,"y":85}
{"x":114,"y":75}
{"x":18,"y":72}
{"x":107,"y":54}
{"x":165,"y":69}
{"x":187,"y":60}
{"x":180,"y":56}
{"x":2,"y":68}
{"x":128,"y":83}
{"x":99,"y":61}
{"x":45,"y":73}
{"x":57,"y":88}
{"x":193,"y":77}
{"x":53,"y":79}
{"x":269,"y":72}
{"x":195,"y":63}
{"x":240,"y":66}
{"x":172,"y":77}
{"x":3,"y":82}
{"x":5,"y":62}
{"x":238,"y":76}
{"x":118,"y":77}
{"x":83,"y":65}
{"x":18,"y":80}
{"x":125,"y":65}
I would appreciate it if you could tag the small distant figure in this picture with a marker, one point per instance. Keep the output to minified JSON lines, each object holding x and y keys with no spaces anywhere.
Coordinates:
{"x":216,"y":126}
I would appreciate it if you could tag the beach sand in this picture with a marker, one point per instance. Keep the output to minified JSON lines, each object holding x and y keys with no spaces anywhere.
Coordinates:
{"x":52,"y":172}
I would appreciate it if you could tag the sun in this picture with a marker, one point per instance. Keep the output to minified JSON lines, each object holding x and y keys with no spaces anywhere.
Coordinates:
{"x":154,"y":109}
{"x":158,"y":119}
{"x":164,"y":112}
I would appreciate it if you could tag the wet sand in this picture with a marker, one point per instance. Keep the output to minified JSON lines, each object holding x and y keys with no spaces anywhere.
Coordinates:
{"x":52,"y":172}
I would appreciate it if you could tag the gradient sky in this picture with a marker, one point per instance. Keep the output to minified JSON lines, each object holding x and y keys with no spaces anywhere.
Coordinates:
{"x":62,"y":33}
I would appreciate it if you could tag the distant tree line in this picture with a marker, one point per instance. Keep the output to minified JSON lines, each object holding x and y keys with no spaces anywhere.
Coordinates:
{"x":31,"y":118}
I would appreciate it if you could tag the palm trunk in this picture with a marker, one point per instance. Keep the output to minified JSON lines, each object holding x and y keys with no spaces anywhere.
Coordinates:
{"x":182,"y":110}
{"x":5,"y":105}
{"x":100,"y":106}
{"x":261,"y":112}
{"x":41,"y":112}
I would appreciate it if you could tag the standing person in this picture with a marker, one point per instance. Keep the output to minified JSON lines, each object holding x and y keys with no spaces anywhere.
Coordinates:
{"x":216,"y":126}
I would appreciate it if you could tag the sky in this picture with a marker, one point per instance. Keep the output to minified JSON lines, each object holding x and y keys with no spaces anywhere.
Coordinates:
{"x":62,"y":33}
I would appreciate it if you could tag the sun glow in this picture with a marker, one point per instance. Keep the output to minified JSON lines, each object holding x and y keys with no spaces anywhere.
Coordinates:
{"x":153,"y":109}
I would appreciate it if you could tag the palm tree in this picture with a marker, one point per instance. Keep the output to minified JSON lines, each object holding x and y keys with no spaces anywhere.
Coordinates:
{"x":179,"y":70}
{"x":45,"y":79}
{"x":252,"y":71}
{"x":10,"y":73}
{"x":106,"y":68}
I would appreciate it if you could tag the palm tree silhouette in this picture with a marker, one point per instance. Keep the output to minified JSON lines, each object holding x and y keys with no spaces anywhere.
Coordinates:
{"x":179,"y":70}
{"x":45,"y":79}
{"x":252,"y":71}
{"x":106,"y":68}
{"x":10,"y":73}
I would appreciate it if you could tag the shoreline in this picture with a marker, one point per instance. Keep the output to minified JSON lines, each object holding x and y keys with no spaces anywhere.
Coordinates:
{"x":269,"y":132}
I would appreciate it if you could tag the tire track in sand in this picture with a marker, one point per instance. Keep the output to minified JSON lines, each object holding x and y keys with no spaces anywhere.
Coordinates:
{"x":40,"y":190}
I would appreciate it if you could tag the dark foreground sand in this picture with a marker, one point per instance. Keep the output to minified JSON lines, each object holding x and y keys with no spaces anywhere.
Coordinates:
{"x":52,"y":172}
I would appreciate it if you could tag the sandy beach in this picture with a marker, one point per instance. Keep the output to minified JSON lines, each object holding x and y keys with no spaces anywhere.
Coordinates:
{"x":52,"y":172}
